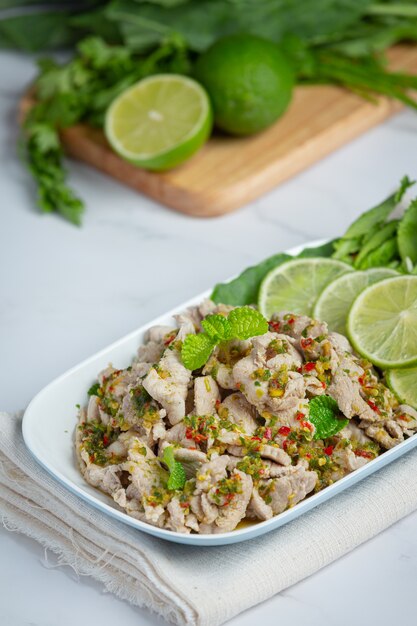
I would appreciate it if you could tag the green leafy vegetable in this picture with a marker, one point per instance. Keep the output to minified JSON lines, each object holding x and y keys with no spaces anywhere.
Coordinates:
{"x":324,"y":250}
{"x":407,"y":235}
{"x":374,"y":242}
{"x":382,"y":256}
{"x":363,"y":237}
{"x":244,"y":288}
{"x":93,"y":391}
{"x":196,"y":350}
{"x":241,"y":323}
{"x":217,"y":327}
{"x":177,"y":475}
{"x":324,"y":413}
{"x":246,"y":322}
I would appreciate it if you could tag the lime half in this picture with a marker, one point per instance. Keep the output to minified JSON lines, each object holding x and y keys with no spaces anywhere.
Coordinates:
{"x":333,"y":304}
{"x":404,"y":384}
{"x":296,"y":285}
{"x":382,"y":323}
{"x":159,"y":122}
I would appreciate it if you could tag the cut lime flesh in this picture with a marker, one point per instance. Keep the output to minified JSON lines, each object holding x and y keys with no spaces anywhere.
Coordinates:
{"x":159,"y":122}
{"x":382,"y":323}
{"x":334,"y":302}
{"x":403,"y":383}
{"x":296,"y":285}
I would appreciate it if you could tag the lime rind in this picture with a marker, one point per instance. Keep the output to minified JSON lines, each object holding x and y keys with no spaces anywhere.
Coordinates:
{"x":178,"y":132}
{"x":382,"y":323}
{"x":335,"y":301}
{"x":295,"y":285}
{"x":403,"y":384}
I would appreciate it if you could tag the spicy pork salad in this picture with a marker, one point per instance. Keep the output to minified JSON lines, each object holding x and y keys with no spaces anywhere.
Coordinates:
{"x":229,"y":417}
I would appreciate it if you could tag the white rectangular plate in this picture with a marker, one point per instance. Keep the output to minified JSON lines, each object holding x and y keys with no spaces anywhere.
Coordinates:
{"x":50,"y":420}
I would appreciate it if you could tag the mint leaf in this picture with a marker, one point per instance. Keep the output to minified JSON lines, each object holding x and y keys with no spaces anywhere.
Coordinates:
{"x":246,"y":322}
{"x":93,"y":391}
{"x":323,"y":414}
{"x":217,"y":327}
{"x":196,"y":350}
{"x":177,"y":476}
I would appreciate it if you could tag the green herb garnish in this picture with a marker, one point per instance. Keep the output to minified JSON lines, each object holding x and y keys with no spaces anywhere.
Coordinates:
{"x":241,"y":323}
{"x":324,"y":413}
{"x":177,"y":475}
{"x":93,"y":391}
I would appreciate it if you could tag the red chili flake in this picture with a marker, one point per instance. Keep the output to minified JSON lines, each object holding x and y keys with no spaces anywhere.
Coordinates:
{"x":256,"y":439}
{"x":364,"y":453}
{"x":309,"y":366}
{"x":323,"y":384}
{"x":199,"y":438}
{"x":153,"y":504}
{"x":274,"y":326}
{"x":285,"y":444}
{"x":361,"y":380}
{"x":191,"y":448}
{"x":299,"y":370}
{"x":328,"y":450}
{"x":184,"y":505}
{"x":307,"y":456}
{"x":189,"y":433}
{"x":306,"y":425}
{"x":268,"y":433}
{"x":299,"y":416}
{"x":105,"y":440}
{"x":291,"y":320}
{"x":306,"y":343}
{"x":404,"y":418}
{"x":217,"y":404}
{"x":238,"y":385}
{"x":284,"y":430}
{"x":373,"y":406}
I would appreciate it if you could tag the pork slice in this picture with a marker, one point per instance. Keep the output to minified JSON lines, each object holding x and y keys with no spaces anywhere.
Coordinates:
{"x":211,"y":472}
{"x":346,"y":391}
{"x":290,"y":489}
{"x":176,"y":519}
{"x":387,"y":433}
{"x":258,"y":508}
{"x":240,"y":412}
{"x":231,"y":513}
{"x":206,"y":395}
{"x":168,"y":385}
{"x":106,"y":478}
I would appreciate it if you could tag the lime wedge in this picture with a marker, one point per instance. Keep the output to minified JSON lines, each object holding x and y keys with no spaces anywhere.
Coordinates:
{"x":296,"y":285}
{"x":382,"y":323}
{"x":333,"y":304}
{"x":403,"y":383}
{"x":159,"y":122}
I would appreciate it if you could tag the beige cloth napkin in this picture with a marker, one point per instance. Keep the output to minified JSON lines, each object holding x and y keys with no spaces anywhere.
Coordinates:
{"x":186,"y":584}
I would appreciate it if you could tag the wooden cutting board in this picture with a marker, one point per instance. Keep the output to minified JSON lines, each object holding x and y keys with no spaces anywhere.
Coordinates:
{"x":230,"y":172}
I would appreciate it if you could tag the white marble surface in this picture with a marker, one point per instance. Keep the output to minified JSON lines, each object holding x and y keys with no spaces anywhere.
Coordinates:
{"x":66,"y":292}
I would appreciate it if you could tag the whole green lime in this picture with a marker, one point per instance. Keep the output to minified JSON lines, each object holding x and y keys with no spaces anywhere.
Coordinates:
{"x":249,"y":82}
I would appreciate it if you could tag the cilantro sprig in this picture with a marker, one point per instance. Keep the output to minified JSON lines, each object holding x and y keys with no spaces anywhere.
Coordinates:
{"x":324,"y":413}
{"x":177,"y":475}
{"x":241,"y":323}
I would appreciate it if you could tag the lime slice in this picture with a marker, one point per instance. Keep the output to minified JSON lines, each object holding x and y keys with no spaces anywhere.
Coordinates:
{"x":159,"y":122}
{"x":334,"y":302}
{"x":382,"y":323}
{"x":404,"y":384}
{"x":296,"y":285}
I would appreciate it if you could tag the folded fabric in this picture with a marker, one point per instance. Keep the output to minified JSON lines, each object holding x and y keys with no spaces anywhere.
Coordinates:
{"x":187,"y":584}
